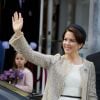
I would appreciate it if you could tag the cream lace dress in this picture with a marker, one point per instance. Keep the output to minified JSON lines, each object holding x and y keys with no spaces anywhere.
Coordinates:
{"x":72,"y":84}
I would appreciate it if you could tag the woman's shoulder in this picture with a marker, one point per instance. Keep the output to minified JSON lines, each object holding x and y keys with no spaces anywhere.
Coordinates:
{"x":88,"y":62}
{"x":57,"y":55}
{"x":55,"y":58}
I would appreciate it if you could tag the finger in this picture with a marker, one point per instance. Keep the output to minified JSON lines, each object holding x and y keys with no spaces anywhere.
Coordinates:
{"x":20,"y":16}
{"x":16,"y":15}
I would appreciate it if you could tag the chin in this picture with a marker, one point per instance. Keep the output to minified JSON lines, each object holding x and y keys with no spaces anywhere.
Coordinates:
{"x":67,"y":52}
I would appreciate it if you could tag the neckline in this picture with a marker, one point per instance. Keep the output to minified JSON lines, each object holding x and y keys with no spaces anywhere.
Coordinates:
{"x":78,"y":65}
{"x":83,"y":61}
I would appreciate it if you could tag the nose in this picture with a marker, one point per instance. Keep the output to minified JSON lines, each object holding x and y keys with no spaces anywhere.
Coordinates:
{"x":18,"y":60}
{"x":67,"y":42}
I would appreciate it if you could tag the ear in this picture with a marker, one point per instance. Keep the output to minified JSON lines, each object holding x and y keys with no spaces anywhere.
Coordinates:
{"x":80,"y":45}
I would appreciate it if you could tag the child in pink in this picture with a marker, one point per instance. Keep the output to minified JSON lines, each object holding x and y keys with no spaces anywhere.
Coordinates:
{"x":26,"y":82}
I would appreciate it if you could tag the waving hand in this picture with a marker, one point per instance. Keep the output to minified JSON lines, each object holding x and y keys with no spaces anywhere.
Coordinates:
{"x":17,"y":22}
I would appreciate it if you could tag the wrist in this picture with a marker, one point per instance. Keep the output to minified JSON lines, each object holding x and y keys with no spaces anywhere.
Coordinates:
{"x":18,"y":33}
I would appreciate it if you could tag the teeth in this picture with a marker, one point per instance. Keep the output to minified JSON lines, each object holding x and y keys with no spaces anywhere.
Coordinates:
{"x":67,"y":48}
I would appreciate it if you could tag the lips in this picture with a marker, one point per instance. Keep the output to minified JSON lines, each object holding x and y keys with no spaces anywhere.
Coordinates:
{"x":67,"y":47}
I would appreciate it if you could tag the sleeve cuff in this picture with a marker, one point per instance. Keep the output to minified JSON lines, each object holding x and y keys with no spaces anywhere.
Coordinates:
{"x":15,"y":37}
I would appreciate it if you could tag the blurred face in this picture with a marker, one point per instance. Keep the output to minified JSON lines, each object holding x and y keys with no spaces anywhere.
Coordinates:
{"x":70,"y":45}
{"x":20,"y":60}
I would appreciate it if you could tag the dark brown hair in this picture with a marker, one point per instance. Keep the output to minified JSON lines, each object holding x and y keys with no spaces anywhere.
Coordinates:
{"x":78,"y":31}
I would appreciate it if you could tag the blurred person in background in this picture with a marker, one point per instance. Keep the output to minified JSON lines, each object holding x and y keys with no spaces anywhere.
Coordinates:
{"x":95,"y":58}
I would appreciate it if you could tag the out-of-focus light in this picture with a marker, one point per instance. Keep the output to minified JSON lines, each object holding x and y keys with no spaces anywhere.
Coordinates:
{"x":5,"y":44}
{"x":33,"y":45}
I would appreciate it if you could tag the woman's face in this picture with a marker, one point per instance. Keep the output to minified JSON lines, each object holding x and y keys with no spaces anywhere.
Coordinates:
{"x":70,"y":45}
{"x":20,"y":60}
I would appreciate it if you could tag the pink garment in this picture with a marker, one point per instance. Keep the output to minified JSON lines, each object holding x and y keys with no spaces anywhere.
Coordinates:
{"x":26,"y":84}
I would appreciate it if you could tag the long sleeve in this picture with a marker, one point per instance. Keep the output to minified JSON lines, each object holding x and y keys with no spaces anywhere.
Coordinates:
{"x":20,"y":44}
{"x":26,"y":84}
{"x":92,"y":84}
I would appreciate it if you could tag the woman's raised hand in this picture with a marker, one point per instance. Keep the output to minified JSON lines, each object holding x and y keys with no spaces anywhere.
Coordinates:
{"x":17,"y":22}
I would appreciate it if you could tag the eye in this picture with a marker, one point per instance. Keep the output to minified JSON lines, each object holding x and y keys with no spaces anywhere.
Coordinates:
{"x":65,"y":39}
{"x":17,"y":58}
{"x":72,"y":40}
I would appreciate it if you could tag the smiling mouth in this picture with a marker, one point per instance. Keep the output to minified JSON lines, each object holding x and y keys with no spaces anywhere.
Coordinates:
{"x":67,"y":47}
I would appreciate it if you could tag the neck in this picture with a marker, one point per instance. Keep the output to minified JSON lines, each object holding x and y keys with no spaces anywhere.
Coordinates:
{"x":21,"y":68}
{"x":74,"y":59}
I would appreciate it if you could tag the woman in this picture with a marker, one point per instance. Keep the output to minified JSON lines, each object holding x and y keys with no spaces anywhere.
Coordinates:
{"x":63,"y":70}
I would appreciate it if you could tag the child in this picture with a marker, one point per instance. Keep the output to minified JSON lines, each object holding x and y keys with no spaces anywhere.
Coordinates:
{"x":26,"y":83}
